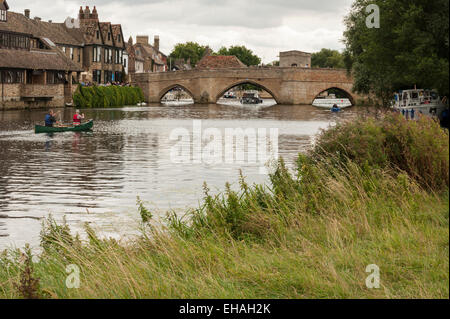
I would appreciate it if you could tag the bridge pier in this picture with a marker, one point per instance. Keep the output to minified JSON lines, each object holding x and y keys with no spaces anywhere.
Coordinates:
{"x":291,"y":86}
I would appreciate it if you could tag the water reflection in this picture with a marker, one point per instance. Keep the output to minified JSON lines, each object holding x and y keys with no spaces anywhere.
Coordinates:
{"x":96,"y":176}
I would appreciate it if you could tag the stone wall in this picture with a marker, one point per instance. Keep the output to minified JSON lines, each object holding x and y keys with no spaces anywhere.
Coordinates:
{"x":13,"y":95}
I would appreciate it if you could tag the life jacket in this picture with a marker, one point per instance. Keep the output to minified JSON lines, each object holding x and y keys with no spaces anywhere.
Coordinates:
{"x":76,"y":118}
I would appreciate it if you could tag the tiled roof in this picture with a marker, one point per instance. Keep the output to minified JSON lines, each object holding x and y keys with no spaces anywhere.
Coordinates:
{"x":219,"y":62}
{"x":37,"y":60}
{"x":57,"y":32}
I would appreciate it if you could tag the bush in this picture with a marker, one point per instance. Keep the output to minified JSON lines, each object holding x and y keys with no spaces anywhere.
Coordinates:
{"x":420,"y":148}
{"x":107,"y":96}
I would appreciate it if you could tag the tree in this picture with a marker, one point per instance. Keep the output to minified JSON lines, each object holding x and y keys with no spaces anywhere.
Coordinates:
{"x":411,"y":47}
{"x":327,"y":58}
{"x":188,"y":50}
{"x":242,"y":53}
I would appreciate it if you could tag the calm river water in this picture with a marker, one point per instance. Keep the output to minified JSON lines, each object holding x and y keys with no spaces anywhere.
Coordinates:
{"x":96,"y":176}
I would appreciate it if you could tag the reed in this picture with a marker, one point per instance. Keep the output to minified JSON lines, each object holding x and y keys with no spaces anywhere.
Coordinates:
{"x":308,"y":235}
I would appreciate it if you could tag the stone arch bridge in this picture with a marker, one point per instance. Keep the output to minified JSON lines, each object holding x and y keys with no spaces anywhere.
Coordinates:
{"x":290,"y":85}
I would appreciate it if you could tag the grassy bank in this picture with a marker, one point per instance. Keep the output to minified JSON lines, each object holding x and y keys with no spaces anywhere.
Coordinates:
{"x":107,"y":96}
{"x":309,"y":235}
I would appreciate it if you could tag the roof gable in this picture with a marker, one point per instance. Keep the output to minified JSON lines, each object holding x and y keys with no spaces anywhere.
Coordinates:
{"x":4,"y":5}
{"x":105,"y":28}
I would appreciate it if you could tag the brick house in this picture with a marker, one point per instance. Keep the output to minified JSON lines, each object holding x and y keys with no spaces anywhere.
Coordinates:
{"x":142,"y":51}
{"x":32,"y":68}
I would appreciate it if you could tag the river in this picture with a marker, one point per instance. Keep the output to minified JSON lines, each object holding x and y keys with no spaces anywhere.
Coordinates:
{"x":96,"y":176}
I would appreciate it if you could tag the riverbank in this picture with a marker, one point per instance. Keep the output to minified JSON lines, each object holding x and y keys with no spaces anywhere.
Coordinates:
{"x":309,"y":235}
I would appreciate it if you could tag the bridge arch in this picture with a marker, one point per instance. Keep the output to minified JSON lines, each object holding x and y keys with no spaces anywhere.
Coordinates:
{"x":345,"y":92}
{"x":166,"y":90}
{"x":242,"y":82}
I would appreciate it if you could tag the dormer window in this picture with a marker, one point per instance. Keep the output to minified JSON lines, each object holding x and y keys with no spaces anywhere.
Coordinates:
{"x":109,"y":36}
{"x":98,"y":34}
{"x":118,"y":38}
{"x":2,"y":15}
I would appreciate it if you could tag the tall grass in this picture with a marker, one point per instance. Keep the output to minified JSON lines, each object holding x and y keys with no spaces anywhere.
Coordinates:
{"x":308,"y":235}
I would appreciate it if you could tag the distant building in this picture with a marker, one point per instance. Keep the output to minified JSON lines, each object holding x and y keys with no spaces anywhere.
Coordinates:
{"x":180,"y":64}
{"x":219,"y":62}
{"x":295,"y":59}
{"x":145,"y":56}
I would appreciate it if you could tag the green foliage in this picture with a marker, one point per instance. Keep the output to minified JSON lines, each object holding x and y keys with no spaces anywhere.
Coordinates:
{"x":245,"y":55}
{"x":145,"y":214}
{"x":188,"y":50}
{"x":107,"y":96}
{"x":411,"y":47}
{"x":420,"y":148}
{"x":327,"y":58}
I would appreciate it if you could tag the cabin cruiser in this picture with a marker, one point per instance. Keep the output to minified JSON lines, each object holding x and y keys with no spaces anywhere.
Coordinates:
{"x":331,"y":100}
{"x":427,"y":102}
{"x":251,"y":98}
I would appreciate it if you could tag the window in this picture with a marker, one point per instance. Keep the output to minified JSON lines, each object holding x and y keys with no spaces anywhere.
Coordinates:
{"x":109,"y":36}
{"x":97,"y":54}
{"x":2,"y":15}
{"x":97,"y":76}
{"x":118,"y":76}
{"x":55,"y":77}
{"x":11,"y":76}
{"x":14,"y":41}
{"x":98,"y":34}
{"x":71,"y":53}
{"x":108,"y":76}
{"x":118,"y":38}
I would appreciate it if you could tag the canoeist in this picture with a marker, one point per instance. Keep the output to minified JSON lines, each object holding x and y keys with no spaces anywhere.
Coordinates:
{"x":335,"y":108}
{"x":50,"y":118}
{"x":77,"y":118}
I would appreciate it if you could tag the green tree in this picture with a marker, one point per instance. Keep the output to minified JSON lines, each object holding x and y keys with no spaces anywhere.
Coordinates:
{"x":327,"y":58}
{"x":411,"y":47}
{"x":188,"y":50}
{"x":242,"y":53}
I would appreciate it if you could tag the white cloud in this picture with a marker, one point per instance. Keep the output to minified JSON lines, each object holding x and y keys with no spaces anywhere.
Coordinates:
{"x":264,"y":26}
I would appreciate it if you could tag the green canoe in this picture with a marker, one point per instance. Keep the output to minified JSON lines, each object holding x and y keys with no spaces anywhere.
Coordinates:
{"x":80,"y":128}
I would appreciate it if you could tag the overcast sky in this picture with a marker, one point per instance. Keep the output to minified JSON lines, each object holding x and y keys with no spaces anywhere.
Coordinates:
{"x":265,"y":26}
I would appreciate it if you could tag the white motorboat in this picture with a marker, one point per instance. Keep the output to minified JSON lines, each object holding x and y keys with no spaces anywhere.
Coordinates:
{"x":329,"y":101}
{"x":427,"y":102}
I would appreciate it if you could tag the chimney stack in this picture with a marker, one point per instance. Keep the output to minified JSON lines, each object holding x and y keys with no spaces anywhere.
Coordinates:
{"x":27,"y":13}
{"x":156,"y":42}
{"x":142,"y":39}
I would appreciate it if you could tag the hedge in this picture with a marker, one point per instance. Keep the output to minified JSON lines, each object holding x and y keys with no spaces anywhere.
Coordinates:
{"x":107,"y":96}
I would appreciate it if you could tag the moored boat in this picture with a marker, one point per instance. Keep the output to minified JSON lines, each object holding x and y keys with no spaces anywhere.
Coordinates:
{"x":419,"y":101}
{"x":56,"y":129}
